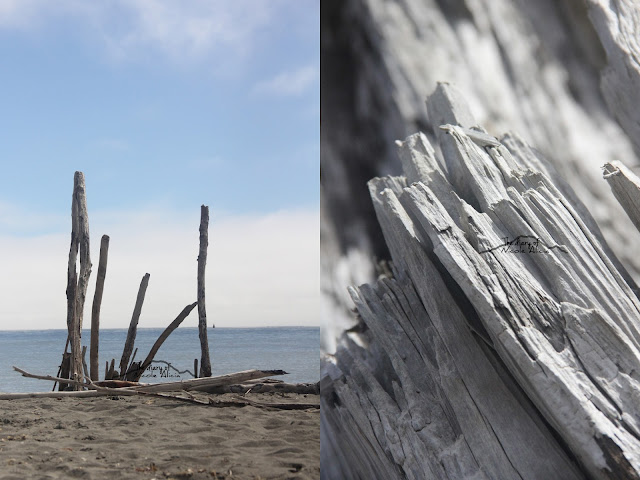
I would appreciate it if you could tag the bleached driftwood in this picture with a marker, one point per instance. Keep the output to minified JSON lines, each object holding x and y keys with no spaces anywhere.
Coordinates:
{"x":137,"y":372}
{"x":77,"y":283}
{"x":539,"y":68}
{"x":506,"y":344}
{"x":133,"y":326}
{"x":184,"y":385}
{"x":625,"y":185}
{"x":207,"y":382}
{"x":617,"y":23}
{"x":205,"y":361}
{"x":267,"y":387}
{"x":94,"y":360}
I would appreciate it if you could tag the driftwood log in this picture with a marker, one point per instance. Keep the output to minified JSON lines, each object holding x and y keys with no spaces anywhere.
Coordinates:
{"x":137,"y":372}
{"x":133,"y":326}
{"x":205,"y":361}
{"x":265,"y":386}
{"x":195,"y":384}
{"x":505,"y":342}
{"x":94,"y":357}
{"x":564,"y":74}
{"x":77,"y":283}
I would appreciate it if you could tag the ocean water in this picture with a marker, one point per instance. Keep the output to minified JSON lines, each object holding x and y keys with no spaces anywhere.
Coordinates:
{"x":292,"y":349}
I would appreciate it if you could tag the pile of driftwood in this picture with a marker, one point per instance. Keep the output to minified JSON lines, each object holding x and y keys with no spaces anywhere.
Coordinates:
{"x":241,"y":382}
{"x":76,"y":380}
{"x":73,"y":364}
{"x":504,"y":340}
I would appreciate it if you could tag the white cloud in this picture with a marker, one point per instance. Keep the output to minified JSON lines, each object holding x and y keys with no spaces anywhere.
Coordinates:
{"x":261,"y":270}
{"x":128,"y":28}
{"x":291,"y":83}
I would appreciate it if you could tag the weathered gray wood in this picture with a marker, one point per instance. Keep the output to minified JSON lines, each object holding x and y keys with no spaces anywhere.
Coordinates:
{"x":625,"y":185}
{"x":539,"y":68}
{"x":507,"y":324}
{"x":617,"y":24}
{"x":133,"y":325}
{"x":205,"y":361}
{"x":207,"y":382}
{"x":65,"y":367}
{"x":72,"y":394}
{"x":95,"y":310}
{"x":85,"y":370}
{"x":77,"y":282}
{"x":112,"y":370}
{"x":267,"y":387}
{"x":184,"y":385}
{"x":135,"y":375}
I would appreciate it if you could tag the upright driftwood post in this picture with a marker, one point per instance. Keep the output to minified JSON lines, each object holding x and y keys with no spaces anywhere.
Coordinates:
{"x":133,"y":326}
{"x":95,"y":310}
{"x":77,"y":284}
{"x":205,"y":361}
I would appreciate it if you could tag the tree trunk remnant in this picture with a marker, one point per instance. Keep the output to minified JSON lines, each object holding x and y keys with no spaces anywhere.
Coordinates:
{"x":135,"y":376}
{"x":77,"y":283}
{"x":133,"y":326}
{"x":505,"y":343}
{"x":563,"y":74}
{"x":95,"y":310}
{"x":205,"y":361}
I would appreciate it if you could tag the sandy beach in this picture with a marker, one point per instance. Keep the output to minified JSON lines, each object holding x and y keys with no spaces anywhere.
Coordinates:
{"x":150,"y":437}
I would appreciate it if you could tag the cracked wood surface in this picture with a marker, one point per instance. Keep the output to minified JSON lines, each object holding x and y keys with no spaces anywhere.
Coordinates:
{"x":506,"y":343}
{"x":563,"y":74}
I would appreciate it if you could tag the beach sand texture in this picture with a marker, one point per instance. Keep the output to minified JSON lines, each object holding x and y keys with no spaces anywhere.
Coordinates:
{"x":150,"y":437}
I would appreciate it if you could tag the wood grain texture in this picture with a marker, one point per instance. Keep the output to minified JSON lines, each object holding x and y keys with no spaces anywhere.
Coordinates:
{"x":77,"y":282}
{"x":506,"y":340}
{"x":561,"y":74}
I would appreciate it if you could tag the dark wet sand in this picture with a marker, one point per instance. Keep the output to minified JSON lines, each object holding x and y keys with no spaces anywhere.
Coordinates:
{"x":150,"y":437}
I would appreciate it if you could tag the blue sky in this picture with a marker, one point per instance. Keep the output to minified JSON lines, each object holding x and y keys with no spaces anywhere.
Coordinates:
{"x":164,"y":106}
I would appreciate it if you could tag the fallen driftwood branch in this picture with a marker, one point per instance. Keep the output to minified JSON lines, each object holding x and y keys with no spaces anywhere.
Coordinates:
{"x":137,"y":372}
{"x":197,"y":383}
{"x":184,"y":385}
{"x":280,"y":405}
{"x":506,"y":342}
{"x":237,"y":402}
{"x":267,"y":387}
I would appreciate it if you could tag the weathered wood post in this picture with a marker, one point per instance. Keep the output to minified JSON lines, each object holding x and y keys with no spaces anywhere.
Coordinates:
{"x":77,"y":284}
{"x":95,"y":310}
{"x":205,"y":361}
{"x":133,"y":326}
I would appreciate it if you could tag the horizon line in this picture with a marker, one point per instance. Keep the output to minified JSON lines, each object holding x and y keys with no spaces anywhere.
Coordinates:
{"x":155,"y":328}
